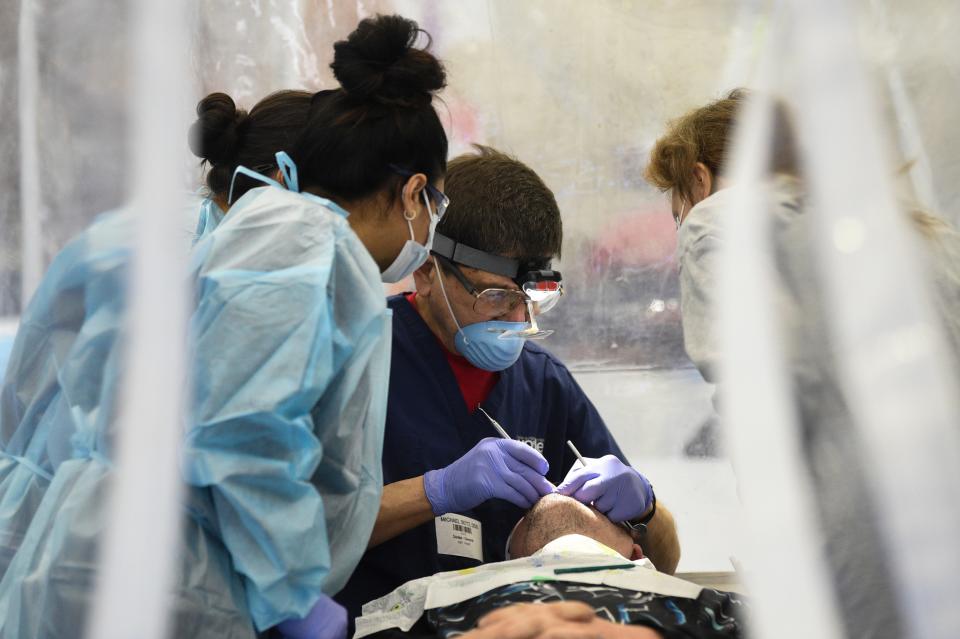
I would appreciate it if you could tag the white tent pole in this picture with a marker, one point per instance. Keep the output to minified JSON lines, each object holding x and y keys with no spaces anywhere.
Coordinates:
{"x":760,"y":424}
{"x":891,"y":353}
{"x":31,"y":212}
{"x":139,"y":556}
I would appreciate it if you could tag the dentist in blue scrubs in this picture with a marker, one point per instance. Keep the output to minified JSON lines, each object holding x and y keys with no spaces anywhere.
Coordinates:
{"x":468,"y":339}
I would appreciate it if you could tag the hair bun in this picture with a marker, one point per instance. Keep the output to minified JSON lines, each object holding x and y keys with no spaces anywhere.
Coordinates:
{"x":379,"y":62}
{"x":215,"y":136}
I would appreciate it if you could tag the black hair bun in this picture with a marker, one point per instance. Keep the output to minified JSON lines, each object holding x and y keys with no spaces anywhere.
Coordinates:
{"x":378,"y":62}
{"x":215,"y":136}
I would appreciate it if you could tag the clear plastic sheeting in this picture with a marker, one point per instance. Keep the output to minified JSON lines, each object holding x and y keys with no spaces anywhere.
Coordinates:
{"x":76,"y":133}
{"x":249,"y":48}
{"x":896,"y":363}
{"x":839,"y":309}
{"x":10,"y":214}
{"x":841,"y":328}
{"x":143,"y":506}
{"x":763,"y":429}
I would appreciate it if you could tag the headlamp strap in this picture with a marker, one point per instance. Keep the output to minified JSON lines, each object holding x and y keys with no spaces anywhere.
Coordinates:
{"x":520,"y":273}
{"x":474,"y":258}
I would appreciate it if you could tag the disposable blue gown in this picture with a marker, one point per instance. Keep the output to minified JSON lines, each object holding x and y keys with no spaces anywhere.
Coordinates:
{"x":292,"y":343}
{"x":67,"y":331}
{"x":291,"y":347}
{"x":6,"y":345}
{"x":62,"y":368}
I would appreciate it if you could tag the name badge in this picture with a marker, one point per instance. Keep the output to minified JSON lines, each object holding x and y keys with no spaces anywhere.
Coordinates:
{"x":459,"y":536}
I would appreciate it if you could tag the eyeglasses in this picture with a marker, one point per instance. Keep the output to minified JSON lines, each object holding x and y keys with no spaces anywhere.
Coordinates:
{"x":439,"y":197}
{"x":490,"y":302}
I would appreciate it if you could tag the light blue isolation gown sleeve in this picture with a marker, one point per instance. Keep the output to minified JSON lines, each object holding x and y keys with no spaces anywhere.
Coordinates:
{"x":6,"y":346}
{"x":58,"y":375}
{"x":290,"y":341}
{"x":58,"y":401}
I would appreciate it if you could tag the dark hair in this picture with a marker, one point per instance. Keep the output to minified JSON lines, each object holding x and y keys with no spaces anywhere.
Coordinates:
{"x":704,"y":135}
{"x":381,"y":116}
{"x":500,"y":205}
{"x":225,"y":136}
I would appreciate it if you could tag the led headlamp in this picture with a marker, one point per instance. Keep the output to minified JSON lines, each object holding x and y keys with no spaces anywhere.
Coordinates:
{"x":534,"y":277}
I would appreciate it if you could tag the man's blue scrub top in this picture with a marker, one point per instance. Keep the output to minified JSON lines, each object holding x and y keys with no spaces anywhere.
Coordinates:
{"x":428,"y":426}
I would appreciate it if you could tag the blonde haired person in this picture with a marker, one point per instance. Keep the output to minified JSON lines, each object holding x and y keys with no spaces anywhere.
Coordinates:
{"x":688,"y":162}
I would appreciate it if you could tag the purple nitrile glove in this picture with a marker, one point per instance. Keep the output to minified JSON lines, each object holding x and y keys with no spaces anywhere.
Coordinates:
{"x":326,"y":620}
{"x":615,"y":489}
{"x":494,"y":468}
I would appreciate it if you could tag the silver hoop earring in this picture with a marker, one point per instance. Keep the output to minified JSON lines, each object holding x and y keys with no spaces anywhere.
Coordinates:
{"x":408,"y":217}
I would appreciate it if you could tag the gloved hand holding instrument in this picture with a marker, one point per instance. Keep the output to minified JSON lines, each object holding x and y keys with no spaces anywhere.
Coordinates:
{"x":494,"y":468}
{"x":617,"y":490}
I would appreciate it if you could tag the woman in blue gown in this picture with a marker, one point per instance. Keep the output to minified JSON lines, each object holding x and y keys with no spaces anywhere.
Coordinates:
{"x":290,"y":357}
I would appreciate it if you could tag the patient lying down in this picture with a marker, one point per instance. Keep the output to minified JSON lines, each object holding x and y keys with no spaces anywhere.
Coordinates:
{"x":573,"y":573}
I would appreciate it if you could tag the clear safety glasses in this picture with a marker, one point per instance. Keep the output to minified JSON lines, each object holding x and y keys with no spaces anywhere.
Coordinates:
{"x":539,"y":297}
{"x":497,"y":302}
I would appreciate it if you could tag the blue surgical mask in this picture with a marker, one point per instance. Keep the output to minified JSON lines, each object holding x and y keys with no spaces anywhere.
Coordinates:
{"x":413,"y":254}
{"x":484,"y":343}
{"x":484,"y":346}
